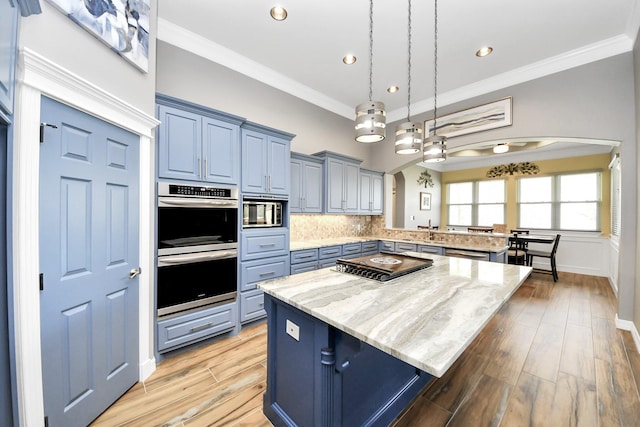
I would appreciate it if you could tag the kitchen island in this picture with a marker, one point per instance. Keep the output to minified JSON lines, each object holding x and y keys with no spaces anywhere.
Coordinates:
{"x":344,"y":350}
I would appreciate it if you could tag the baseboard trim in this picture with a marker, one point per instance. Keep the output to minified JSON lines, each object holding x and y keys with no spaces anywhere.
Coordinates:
{"x":628,"y":325}
{"x":147,"y":368}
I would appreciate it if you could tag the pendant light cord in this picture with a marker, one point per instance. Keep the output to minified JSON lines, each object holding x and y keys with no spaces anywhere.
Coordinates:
{"x":435,"y":70}
{"x":370,"y":50}
{"x":409,"y":67}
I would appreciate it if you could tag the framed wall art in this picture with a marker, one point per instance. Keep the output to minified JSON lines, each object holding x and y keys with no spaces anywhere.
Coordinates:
{"x":425,"y":201}
{"x":123,"y":25}
{"x":493,"y":115}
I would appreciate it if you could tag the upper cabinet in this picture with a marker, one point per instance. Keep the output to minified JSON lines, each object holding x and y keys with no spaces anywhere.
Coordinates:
{"x":196,"y":143}
{"x":342,"y":181}
{"x":8,"y":54}
{"x":371,"y":192}
{"x":306,"y":184}
{"x":265,"y":160}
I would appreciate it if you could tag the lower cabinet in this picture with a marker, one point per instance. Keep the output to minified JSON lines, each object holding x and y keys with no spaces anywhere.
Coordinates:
{"x":387,"y":246}
{"x":192,"y":327}
{"x":251,"y":273}
{"x":426,"y":249}
{"x":251,"y":305}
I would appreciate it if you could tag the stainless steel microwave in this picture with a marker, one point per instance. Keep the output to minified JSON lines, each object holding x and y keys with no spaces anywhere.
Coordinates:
{"x":261,"y":213}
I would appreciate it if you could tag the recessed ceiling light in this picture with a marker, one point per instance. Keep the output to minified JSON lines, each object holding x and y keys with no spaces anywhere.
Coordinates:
{"x":349,"y":59}
{"x":278,"y":13}
{"x":484,"y":51}
{"x":393,"y":89}
{"x":501,"y":148}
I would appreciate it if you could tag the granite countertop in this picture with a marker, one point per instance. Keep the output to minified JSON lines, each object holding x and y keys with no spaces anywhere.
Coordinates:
{"x":426,"y":318}
{"x":319,"y":243}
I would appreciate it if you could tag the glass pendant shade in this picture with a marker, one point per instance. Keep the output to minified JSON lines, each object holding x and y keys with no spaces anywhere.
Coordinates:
{"x":408,"y":138}
{"x":370,"y":121}
{"x":434,"y":149}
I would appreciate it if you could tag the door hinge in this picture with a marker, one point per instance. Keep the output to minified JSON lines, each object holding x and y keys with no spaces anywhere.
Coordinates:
{"x":46,"y":421}
{"x":41,"y":282}
{"x":42,"y":126}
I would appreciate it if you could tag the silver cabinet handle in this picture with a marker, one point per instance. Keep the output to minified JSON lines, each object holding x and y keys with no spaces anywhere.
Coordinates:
{"x":264,"y":245}
{"x":204,"y":170}
{"x":201,"y":327}
{"x":134,"y":272}
{"x":199,"y":167}
{"x":267,"y":273}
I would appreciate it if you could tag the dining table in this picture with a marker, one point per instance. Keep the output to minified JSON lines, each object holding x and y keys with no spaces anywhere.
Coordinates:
{"x":532,"y":238}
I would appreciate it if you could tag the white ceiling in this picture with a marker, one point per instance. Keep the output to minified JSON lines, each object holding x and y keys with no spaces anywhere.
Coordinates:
{"x":303,"y":54}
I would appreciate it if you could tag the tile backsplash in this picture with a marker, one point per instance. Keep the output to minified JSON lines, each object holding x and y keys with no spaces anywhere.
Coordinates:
{"x":313,"y":227}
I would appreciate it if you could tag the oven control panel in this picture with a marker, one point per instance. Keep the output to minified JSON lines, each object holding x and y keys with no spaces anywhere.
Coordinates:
{"x":170,"y":189}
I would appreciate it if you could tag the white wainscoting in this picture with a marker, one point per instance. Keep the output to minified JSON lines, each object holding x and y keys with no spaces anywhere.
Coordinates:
{"x":582,"y":253}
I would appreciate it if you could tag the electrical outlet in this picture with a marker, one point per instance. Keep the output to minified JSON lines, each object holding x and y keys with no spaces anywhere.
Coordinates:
{"x":293,"y":330}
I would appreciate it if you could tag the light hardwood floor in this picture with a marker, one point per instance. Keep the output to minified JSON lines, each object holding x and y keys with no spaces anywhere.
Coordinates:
{"x":551,"y":357}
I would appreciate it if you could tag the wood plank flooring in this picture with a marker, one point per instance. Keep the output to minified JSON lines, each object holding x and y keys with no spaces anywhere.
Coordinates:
{"x":551,"y":357}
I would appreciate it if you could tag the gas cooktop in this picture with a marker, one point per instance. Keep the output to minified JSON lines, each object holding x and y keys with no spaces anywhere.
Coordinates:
{"x":382,"y":266}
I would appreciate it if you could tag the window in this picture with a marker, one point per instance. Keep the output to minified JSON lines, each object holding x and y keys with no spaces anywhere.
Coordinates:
{"x":476,"y":203}
{"x":615,"y":196}
{"x":560,"y":202}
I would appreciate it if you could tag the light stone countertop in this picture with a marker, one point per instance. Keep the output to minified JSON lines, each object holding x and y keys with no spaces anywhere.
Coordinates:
{"x":426,"y":318}
{"x":319,"y":243}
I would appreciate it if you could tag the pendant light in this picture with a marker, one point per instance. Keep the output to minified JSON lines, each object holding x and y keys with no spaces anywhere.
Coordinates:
{"x":434,"y":148}
{"x":408,"y":134}
{"x":370,"y":115}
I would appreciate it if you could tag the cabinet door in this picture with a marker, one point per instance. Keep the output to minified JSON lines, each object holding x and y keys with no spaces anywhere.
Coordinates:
{"x":180,"y":144}
{"x":377,"y":193}
{"x":312,"y":192}
{"x":365,"y":192}
{"x":351,"y":187}
{"x":221,"y":153}
{"x":8,"y":53}
{"x":335,"y":186}
{"x":254,"y":162}
{"x":278,"y":166}
{"x":295,"y":196}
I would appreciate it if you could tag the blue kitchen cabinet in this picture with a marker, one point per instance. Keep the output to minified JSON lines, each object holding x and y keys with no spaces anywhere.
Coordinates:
{"x":428,"y":249}
{"x":8,"y":54}
{"x":189,"y":328}
{"x":306,"y":184}
{"x":370,"y":247}
{"x":387,"y":246}
{"x":304,"y":260}
{"x":264,"y":255}
{"x":405,"y":247}
{"x":266,"y":155}
{"x":196,"y":143}
{"x":341,"y":183}
{"x":371,"y":192}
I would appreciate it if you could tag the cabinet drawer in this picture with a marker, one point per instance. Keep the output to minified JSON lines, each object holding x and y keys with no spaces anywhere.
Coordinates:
{"x":351,"y":248}
{"x":304,"y":256}
{"x":261,"y":245}
{"x":369,"y":253}
{"x":402,"y":247}
{"x":252,"y":272}
{"x":328,"y":262}
{"x":182,"y":330}
{"x":252,"y":306}
{"x":425,"y":249}
{"x":370,"y":246}
{"x":330,"y":252}
{"x":387,"y":246}
{"x":305,"y":266}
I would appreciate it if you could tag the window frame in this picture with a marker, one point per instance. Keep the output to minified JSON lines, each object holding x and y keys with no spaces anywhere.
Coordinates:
{"x":556,"y":203}
{"x":475,"y":189}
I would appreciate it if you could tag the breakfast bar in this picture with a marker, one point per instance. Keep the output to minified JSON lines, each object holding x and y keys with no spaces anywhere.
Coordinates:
{"x":347,"y":350}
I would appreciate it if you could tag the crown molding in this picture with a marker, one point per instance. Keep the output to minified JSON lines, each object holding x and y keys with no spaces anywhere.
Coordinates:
{"x":198,"y":45}
{"x":555,"y":64}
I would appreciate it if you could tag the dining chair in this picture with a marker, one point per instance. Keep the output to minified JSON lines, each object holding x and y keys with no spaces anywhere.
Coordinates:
{"x":517,"y":252}
{"x":551,"y":255}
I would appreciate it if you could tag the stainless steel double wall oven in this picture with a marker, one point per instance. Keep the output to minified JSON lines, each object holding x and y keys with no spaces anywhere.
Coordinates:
{"x":197,"y":246}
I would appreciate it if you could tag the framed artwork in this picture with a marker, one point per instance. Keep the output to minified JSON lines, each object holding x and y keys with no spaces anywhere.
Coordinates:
{"x":123,"y":25}
{"x":425,"y":201}
{"x":493,"y":115}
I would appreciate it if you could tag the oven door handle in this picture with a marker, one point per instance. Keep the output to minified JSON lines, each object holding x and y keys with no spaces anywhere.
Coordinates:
{"x":195,"y":203}
{"x":167,"y":260}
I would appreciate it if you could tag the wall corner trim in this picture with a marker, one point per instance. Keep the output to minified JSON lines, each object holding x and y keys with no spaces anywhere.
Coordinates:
{"x":628,"y":325}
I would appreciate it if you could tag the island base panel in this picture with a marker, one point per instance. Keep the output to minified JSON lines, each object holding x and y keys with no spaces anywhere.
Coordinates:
{"x":318,"y":375}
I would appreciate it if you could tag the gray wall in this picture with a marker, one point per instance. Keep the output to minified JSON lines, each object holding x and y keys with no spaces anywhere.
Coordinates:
{"x":187,"y":76}
{"x":411,"y":195}
{"x":54,"y":36}
{"x":592,"y":101}
{"x":633,"y":215}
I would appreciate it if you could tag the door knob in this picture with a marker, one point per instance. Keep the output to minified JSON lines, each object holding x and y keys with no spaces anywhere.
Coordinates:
{"x":135,"y":272}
